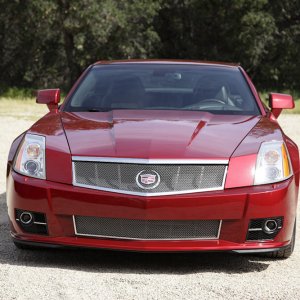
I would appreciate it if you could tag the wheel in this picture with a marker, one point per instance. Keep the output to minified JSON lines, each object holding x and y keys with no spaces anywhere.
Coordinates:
{"x":287,"y":252}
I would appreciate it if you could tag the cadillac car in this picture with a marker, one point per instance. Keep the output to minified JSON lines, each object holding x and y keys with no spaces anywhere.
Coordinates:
{"x":156,"y":155}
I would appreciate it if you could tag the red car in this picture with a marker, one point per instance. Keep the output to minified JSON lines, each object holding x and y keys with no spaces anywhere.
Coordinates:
{"x":156,"y":156}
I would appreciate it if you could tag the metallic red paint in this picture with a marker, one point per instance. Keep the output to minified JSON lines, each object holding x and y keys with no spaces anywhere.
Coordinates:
{"x":241,"y":165}
{"x":254,"y":91}
{"x":278,"y":102}
{"x":50,"y":97}
{"x":142,"y":134}
{"x":234,"y":206}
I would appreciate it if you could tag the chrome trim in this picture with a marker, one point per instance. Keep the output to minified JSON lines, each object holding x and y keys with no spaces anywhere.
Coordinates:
{"x":219,"y":230}
{"x":74,"y":225}
{"x":146,"y":194}
{"x":224,"y":177}
{"x":260,"y":229}
{"x":151,"y":161}
{"x":267,"y":230}
{"x":255,"y":229}
{"x":147,"y":161}
{"x":26,"y":213}
{"x":145,"y":187}
{"x":39,"y":223}
{"x":125,"y":238}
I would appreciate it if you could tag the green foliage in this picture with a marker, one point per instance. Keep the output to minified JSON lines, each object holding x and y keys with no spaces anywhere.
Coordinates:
{"x":48,"y":43}
{"x":51,"y":42}
{"x":17,"y":93}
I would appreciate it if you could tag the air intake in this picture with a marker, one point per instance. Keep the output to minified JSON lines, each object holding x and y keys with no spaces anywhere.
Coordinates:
{"x":32,"y":222}
{"x":264,"y":229}
{"x":147,"y":229}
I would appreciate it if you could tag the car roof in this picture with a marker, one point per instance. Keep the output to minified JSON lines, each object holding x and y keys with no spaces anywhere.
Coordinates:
{"x":167,"y":61}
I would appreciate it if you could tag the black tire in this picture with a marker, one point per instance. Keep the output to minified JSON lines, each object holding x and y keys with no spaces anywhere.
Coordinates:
{"x":287,"y":252}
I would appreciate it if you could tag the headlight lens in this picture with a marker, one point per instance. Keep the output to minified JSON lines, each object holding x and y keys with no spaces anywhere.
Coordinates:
{"x":273,"y":163}
{"x":30,"y":160}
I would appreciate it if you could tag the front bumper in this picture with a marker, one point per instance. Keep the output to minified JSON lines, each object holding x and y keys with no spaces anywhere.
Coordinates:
{"x":235,"y":207}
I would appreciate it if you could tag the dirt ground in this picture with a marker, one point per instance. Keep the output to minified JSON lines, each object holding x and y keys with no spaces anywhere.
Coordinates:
{"x":88,"y":274}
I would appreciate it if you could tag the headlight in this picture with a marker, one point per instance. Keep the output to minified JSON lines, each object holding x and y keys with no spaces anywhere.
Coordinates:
{"x":30,"y":160}
{"x":273,"y":163}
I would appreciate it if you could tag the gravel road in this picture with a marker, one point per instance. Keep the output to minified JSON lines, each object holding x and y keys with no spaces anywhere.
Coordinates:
{"x":90,"y":274}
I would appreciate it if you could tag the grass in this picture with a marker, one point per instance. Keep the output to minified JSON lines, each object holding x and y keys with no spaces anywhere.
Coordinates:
{"x":25,"y":108}
{"x":15,"y":92}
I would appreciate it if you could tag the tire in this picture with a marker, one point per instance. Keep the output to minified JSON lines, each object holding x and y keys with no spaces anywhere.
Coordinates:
{"x":287,"y":252}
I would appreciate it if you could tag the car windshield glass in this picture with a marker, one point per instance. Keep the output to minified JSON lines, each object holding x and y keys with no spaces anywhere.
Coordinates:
{"x":215,"y":89}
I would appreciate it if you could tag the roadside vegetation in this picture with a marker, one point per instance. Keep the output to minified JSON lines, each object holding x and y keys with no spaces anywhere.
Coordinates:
{"x":23,"y":108}
{"x":51,"y":42}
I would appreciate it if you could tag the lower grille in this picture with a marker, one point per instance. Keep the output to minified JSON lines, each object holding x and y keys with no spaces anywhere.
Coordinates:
{"x":147,"y":229}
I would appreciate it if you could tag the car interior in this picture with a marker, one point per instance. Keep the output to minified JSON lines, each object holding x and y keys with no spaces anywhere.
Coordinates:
{"x":162,"y":90}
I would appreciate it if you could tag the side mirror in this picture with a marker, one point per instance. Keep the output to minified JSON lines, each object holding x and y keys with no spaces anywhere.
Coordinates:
{"x":50,"y":97}
{"x":278,"y":102}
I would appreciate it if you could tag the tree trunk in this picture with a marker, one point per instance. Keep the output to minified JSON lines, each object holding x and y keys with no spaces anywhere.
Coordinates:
{"x":73,"y":69}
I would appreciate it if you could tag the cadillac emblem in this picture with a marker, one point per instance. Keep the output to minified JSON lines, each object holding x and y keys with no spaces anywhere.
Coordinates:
{"x":147,"y":180}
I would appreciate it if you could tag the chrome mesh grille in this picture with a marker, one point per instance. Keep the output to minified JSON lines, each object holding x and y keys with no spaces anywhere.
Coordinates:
{"x":174,"y":178}
{"x":146,"y":229}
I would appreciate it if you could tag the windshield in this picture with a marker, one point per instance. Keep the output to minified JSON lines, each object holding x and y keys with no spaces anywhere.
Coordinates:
{"x":215,"y":89}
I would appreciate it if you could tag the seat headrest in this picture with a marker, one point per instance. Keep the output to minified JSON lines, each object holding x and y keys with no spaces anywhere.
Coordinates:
{"x":127,"y":90}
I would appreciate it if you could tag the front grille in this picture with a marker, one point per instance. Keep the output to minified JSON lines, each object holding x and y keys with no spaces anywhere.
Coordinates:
{"x":147,"y":229}
{"x":148,"y":179}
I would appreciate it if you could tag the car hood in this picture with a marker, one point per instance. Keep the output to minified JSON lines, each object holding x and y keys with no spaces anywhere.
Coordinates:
{"x":155,"y":134}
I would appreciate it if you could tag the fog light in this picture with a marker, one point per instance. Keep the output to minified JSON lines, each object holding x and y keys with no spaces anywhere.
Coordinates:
{"x":32,"y":222}
{"x":26,"y":218}
{"x":270,"y":226}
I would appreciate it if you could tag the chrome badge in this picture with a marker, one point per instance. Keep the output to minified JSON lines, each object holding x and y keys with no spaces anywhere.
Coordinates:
{"x":147,"y":180}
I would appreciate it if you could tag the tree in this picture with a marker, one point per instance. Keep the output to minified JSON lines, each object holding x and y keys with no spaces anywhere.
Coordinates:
{"x":47,"y":43}
{"x":58,"y":39}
